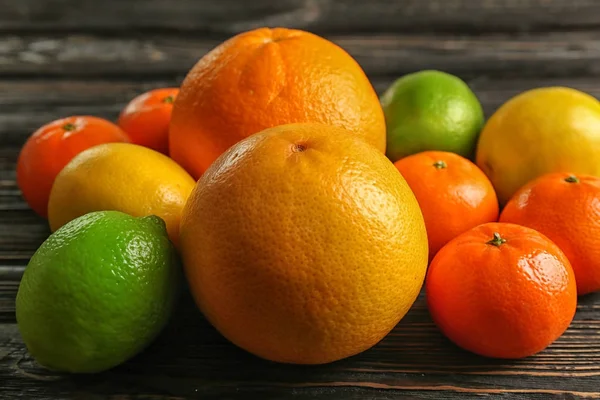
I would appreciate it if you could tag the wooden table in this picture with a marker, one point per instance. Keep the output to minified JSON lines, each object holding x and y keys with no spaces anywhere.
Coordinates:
{"x":63,"y":57}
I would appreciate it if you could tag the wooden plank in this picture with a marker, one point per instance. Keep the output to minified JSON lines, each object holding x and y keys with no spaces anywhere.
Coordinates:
{"x":191,"y":360}
{"x":8,"y":294}
{"x":26,"y":105}
{"x":171,"y":55}
{"x":232,"y":16}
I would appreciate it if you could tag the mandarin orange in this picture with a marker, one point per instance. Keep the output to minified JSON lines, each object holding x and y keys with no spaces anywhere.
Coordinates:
{"x":453,"y":193}
{"x":501,"y":290}
{"x":146,"y":118}
{"x":51,"y":147}
{"x":566,"y":208}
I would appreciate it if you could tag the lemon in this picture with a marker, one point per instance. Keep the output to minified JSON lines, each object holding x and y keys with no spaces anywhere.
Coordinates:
{"x":97,"y":291}
{"x":553,"y":129}
{"x":122,"y":177}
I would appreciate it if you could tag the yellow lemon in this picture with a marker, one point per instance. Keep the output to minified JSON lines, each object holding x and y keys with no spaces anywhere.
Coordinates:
{"x":554,"y":129}
{"x":120,"y":177}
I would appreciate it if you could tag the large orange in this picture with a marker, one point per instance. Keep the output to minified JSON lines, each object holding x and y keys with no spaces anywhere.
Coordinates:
{"x":453,"y":193}
{"x":268,"y":77}
{"x":303,"y":244}
{"x":501,"y":290}
{"x":566,"y":208}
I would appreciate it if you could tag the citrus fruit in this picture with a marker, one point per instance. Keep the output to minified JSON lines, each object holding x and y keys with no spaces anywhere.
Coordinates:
{"x":146,"y":118}
{"x":454,"y":195}
{"x":97,"y":291}
{"x":565,"y":208}
{"x":268,"y":77}
{"x":431,"y":110}
{"x":501,"y":290}
{"x":303,"y":244}
{"x":51,"y":147}
{"x":553,"y":129}
{"x":123,"y":177}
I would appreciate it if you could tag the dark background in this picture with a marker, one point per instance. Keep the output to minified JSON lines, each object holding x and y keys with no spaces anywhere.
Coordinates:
{"x":64,"y":57}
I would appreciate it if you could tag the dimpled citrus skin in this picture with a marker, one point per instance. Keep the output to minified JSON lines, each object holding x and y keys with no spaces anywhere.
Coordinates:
{"x":431,"y":110}
{"x":506,"y":301}
{"x":97,"y":291}
{"x":545,"y":130}
{"x":264,"y":78}
{"x":146,"y":118}
{"x":51,"y":147}
{"x":303,"y":244}
{"x":569,"y":214}
{"x":123,"y":177}
{"x":454,"y":195}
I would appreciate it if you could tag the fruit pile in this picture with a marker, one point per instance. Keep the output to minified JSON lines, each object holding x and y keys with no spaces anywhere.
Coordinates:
{"x":307,"y":213}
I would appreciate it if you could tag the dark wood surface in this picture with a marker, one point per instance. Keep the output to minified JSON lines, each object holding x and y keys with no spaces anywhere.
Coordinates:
{"x":63,"y":57}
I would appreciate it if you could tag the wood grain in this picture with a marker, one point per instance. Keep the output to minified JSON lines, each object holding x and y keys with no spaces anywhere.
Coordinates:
{"x":27,"y":104}
{"x":233,"y":16}
{"x":66,"y":57}
{"x":191,"y":360}
{"x":172,"y":55}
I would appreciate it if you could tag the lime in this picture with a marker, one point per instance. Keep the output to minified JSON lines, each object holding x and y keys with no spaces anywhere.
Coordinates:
{"x":431,"y":110}
{"x":97,"y":291}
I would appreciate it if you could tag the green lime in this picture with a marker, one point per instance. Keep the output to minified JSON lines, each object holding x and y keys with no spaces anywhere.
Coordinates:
{"x":97,"y":291}
{"x":431,"y":110}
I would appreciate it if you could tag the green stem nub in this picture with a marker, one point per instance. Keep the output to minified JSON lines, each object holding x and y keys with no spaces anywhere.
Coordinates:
{"x":440,"y":164}
{"x":169,"y":100}
{"x":572,"y":179}
{"x":69,"y":127}
{"x":497,"y":240}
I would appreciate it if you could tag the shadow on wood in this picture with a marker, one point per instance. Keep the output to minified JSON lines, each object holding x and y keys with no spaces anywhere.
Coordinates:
{"x":192,"y":360}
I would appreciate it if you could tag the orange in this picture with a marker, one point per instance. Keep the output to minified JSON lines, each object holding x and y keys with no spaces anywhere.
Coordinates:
{"x":146,"y":118}
{"x":501,"y":290}
{"x":566,"y":208}
{"x":51,"y":147}
{"x":303,"y":244}
{"x":454,"y":195}
{"x":268,"y":77}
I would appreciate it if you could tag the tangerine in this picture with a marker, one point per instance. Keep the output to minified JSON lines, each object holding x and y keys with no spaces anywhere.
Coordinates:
{"x":51,"y":147}
{"x":146,"y":118}
{"x":501,"y":290}
{"x":453,"y":193}
{"x":566,"y":208}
